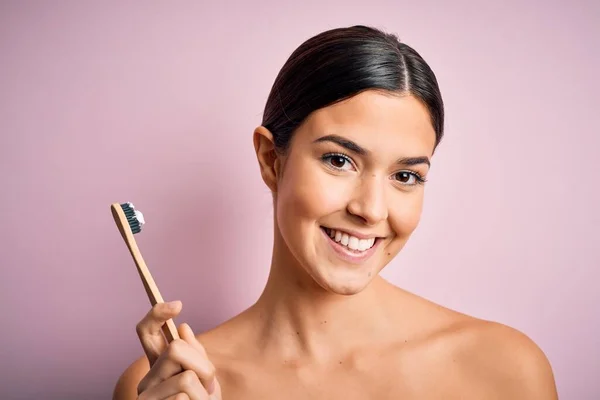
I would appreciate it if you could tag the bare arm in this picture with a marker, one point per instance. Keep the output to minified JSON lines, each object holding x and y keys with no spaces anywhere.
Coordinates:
{"x":126,"y":387}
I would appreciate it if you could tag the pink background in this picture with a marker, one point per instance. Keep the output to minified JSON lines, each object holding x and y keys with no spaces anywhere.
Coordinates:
{"x":155,"y":103}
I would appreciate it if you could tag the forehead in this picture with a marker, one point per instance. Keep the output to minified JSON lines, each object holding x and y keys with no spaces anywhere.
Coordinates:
{"x":377,"y":121}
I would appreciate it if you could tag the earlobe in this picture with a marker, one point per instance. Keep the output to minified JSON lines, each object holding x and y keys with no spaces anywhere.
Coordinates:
{"x":268,"y":160}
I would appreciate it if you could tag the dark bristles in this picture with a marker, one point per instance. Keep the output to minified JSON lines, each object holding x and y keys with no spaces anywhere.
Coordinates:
{"x":134,"y":224}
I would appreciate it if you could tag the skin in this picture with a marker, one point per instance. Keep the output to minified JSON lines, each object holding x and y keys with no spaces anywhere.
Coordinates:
{"x":327,"y":328}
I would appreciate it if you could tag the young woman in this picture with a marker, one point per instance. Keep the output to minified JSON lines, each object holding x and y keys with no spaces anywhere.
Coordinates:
{"x":346,"y":141}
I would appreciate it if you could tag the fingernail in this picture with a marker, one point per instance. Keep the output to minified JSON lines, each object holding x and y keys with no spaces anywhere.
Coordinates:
{"x":211,"y":387}
{"x":173,"y":305}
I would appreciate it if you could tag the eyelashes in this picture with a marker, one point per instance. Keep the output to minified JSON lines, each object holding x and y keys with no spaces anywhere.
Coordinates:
{"x":338,"y":158}
{"x":342,"y":162}
{"x":419,"y":180}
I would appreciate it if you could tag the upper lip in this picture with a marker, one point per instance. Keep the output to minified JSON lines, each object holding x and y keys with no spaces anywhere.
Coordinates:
{"x":355,"y":233}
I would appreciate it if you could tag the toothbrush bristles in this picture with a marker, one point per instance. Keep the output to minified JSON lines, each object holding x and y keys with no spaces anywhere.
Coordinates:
{"x":129,"y":211}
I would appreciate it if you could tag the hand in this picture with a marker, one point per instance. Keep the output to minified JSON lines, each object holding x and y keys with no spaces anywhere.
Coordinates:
{"x":180,"y":370}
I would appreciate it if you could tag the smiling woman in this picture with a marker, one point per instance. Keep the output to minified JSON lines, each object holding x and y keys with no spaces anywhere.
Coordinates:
{"x":361,"y":179}
{"x":345,"y":146}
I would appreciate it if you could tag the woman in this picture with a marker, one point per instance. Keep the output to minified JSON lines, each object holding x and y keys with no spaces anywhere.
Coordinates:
{"x":346,"y":142}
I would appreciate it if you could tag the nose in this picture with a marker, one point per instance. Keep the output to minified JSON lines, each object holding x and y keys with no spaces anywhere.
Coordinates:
{"x":369,"y":201}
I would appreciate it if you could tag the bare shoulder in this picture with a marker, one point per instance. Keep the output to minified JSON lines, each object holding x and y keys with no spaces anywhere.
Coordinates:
{"x":226,"y":338}
{"x":126,"y":387}
{"x":475,"y":357}
{"x":503,"y":361}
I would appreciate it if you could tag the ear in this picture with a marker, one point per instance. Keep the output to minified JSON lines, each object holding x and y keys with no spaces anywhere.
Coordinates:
{"x":268,"y":159}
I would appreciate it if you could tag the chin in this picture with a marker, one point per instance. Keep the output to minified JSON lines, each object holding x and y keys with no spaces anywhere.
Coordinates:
{"x":346,"y":290}
{"x":345,"y":283}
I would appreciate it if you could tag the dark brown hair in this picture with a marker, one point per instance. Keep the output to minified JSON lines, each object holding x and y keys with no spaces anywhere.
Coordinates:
{"x":340,"y":63}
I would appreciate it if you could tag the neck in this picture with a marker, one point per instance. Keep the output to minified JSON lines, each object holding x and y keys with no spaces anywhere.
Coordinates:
{"x":303,"y":321}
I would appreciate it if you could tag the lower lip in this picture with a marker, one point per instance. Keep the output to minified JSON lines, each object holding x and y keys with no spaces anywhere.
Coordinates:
{"x":349,"y":255}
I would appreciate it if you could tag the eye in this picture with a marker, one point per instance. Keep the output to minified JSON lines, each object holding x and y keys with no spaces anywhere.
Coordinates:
{"x":408,"y":178}
{"x":338,"y":161}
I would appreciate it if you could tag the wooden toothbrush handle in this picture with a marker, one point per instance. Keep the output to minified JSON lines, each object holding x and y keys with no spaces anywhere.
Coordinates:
{"x":169,"y":329}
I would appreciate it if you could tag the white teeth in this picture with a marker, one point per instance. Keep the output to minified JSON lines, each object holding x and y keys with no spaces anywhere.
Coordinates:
{"x":363,"y":244}
{"x":345,"y":239}
{"x":351,"y":242}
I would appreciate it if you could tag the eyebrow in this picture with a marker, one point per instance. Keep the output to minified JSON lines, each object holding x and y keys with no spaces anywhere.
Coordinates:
{"x":355,"y":148}
{"x":345,"y":143}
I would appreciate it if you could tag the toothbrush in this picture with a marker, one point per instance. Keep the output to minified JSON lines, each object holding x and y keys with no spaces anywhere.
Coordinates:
{"x":130,"y":221}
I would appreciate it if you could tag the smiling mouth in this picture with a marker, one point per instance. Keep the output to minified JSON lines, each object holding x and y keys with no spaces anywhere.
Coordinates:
{"x":348,"y":241}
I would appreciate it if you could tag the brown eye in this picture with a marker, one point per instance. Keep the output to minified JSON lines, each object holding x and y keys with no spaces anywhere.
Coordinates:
{"x":408,"y":178}
{"x":404,"y":177}
{"x":338,"y":161}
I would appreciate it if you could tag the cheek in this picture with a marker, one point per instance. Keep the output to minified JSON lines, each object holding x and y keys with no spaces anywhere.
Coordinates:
{"x":405,"y":217}
{"x":308,"y":192}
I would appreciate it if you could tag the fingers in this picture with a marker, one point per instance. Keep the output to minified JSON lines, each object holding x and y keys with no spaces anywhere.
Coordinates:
{"x":180,"y":356}
{"x":179,"y":396}
{"x":149,"y":328}
{"x":183,"y":386}
{"x":186,"y":333}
